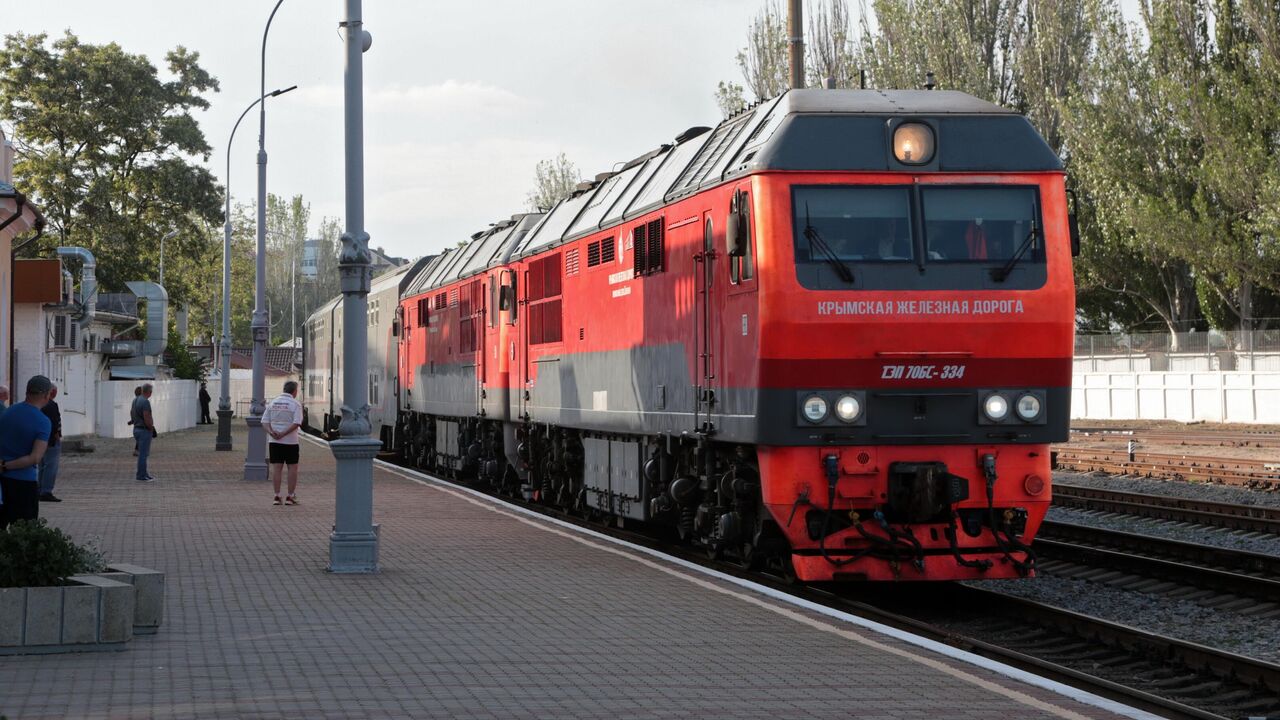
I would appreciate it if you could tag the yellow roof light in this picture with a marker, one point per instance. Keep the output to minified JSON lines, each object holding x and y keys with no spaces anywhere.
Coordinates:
{"x":913,"y":143}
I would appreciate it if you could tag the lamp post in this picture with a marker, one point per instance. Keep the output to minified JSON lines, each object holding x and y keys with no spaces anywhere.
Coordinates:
{"x":353,"y":544}
{"x":223,"y":441}
{"x":255,"y":458}
{"x":170,"y":234}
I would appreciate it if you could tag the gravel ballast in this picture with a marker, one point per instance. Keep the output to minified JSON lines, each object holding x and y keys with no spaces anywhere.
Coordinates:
{"x":1172,"y":488}
{"x":1181,"y":619}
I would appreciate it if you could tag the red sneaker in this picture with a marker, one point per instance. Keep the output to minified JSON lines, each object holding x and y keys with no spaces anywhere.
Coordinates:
{"x":291,"y":500}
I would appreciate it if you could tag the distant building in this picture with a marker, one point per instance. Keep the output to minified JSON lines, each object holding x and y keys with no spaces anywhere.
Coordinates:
{"x":20,"y":221}
{"x":310,"y":259}
{"x":311,"y":249}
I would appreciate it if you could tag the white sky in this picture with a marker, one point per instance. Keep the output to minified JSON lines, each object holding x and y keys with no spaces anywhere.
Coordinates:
{"x":462,"y":99}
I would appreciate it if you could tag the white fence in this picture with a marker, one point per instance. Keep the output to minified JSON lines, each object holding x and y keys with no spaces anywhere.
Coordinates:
{"x":1244,"y":397}
{"x":174,"y":405}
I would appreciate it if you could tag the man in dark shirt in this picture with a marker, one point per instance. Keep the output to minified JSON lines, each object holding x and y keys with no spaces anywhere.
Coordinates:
{"x":205,"y":399}
{"x":24,"y":435}
{"x":49,"y":465}
{"x":144,"y":429}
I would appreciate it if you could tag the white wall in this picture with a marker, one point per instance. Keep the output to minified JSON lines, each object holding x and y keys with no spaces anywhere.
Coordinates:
{"x":241,"y":391}
{"x":174,"y":405}
{"x":1244,"y":397}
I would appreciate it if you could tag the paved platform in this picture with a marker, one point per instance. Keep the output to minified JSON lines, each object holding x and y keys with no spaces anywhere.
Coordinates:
{"x":478,"y":613}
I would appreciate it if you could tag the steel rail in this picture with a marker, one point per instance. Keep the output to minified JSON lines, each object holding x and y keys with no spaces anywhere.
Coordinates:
{"x":1253,"y":518}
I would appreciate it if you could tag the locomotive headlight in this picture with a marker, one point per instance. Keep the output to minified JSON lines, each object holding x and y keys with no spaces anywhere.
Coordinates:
{"x":1028,"y":407}
{"x":913,"y":143}
{"x":996,"y":407}
{"x":815,"y":409}
{"x":848,"y":408}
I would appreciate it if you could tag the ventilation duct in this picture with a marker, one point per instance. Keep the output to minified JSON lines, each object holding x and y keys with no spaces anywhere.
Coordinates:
{"x":157,"y":315}
{"x":88,"y":282}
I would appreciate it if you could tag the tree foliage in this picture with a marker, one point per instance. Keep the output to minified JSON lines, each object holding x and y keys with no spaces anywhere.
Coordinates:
{"x":554,"y":180}
{"x":107,"y":148}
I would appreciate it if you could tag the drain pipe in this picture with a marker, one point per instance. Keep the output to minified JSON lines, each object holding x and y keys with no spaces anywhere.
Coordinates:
{"x":88,"y":282}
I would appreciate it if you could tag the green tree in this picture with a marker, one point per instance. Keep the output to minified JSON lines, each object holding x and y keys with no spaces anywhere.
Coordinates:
{"x":185,"y":365}
{"x":554,"y":180}
{"x":108,"y":149}
{"x":729,"y":98}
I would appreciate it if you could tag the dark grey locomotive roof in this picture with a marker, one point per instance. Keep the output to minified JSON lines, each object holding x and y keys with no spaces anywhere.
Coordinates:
{"x":800,"y":130}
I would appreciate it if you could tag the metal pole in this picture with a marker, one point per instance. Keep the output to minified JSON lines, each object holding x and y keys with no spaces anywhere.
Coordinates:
{"x":255,"y":459}
{"x":353,"y":545}
{"x":223,"y":441}
{"x":795,"y":28}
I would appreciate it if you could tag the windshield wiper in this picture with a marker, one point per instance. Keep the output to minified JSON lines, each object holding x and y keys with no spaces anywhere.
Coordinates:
{"x":999,"y":274}
{"x":815,"y":240}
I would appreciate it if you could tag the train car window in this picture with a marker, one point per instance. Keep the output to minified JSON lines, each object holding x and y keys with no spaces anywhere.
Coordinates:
{"x":708,"y":247}
{"x":493,"y":302}
{"x":423,"y":306}
{"x":981,"y":224}
{"x":852,"y":225}
{"x":743,"y":267}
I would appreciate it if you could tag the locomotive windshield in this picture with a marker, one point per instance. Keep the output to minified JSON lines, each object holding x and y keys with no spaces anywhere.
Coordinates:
{"x":988,"y":224}
{"x":885,"y":236}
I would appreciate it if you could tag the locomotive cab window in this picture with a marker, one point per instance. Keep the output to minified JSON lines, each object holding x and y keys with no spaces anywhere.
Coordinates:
{"x":922,"y":237}
{"x":981,"y":224}
{"x":839,"y":228}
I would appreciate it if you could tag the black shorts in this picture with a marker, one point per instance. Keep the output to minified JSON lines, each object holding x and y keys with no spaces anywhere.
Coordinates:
{"x":282,"y":454}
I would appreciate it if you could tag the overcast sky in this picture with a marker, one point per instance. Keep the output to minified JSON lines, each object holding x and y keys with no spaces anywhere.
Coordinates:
{"x":462,"y":99}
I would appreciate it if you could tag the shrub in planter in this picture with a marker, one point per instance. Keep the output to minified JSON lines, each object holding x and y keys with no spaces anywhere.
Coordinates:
{"x":32,"y":554}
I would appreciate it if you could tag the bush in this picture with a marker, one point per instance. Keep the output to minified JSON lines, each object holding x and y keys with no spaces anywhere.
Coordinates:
{"x":32,"y":554}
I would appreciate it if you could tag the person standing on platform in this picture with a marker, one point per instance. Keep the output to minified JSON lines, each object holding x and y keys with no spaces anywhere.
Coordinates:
{"x":137,"y":392}
{"x":144,"y":430}
{"x":49,"y":465}
{"x":24,"y":437}
{"x":4,"y":398}
{"x":282,"y":420}
{"x":205,"y":399}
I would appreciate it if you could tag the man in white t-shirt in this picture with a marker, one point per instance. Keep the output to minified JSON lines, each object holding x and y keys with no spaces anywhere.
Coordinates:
{"x":281,"y":421}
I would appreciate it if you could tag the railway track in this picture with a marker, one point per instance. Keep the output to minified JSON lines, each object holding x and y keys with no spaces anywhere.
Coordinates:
{"x":1258,"y":474}
{"x":1166,"y":676}
{"x":1249,"y":518}
{"x":1212,"y":576}
{"x":1255,"y":438}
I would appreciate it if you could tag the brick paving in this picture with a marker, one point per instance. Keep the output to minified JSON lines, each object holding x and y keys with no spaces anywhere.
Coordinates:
{"x":475,"y":615}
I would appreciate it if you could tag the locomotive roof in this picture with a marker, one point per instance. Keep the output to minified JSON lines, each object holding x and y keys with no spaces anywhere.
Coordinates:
{"x":800,"y":130}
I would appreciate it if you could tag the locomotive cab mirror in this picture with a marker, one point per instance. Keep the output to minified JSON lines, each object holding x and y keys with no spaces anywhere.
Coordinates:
{"x":737,"y":229}
{"x":1073,"y":223}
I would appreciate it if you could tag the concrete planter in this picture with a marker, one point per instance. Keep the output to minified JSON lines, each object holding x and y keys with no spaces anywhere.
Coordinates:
{"x":148,"y":605}
{"x":91,"y":613}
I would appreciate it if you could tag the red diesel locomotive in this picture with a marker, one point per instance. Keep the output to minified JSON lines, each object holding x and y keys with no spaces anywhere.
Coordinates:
{"x":832,"y":335}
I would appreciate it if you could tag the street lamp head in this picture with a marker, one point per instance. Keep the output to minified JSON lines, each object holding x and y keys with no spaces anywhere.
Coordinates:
{"x":171,"y":235}
{"x":275,"y":93}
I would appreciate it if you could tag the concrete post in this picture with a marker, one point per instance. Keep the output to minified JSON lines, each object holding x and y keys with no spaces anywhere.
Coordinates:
{"x":353,"y":545}
{"x":255,"y":459}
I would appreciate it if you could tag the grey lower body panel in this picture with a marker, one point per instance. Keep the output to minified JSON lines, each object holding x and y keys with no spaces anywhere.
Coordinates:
{"x":648,"y":391}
